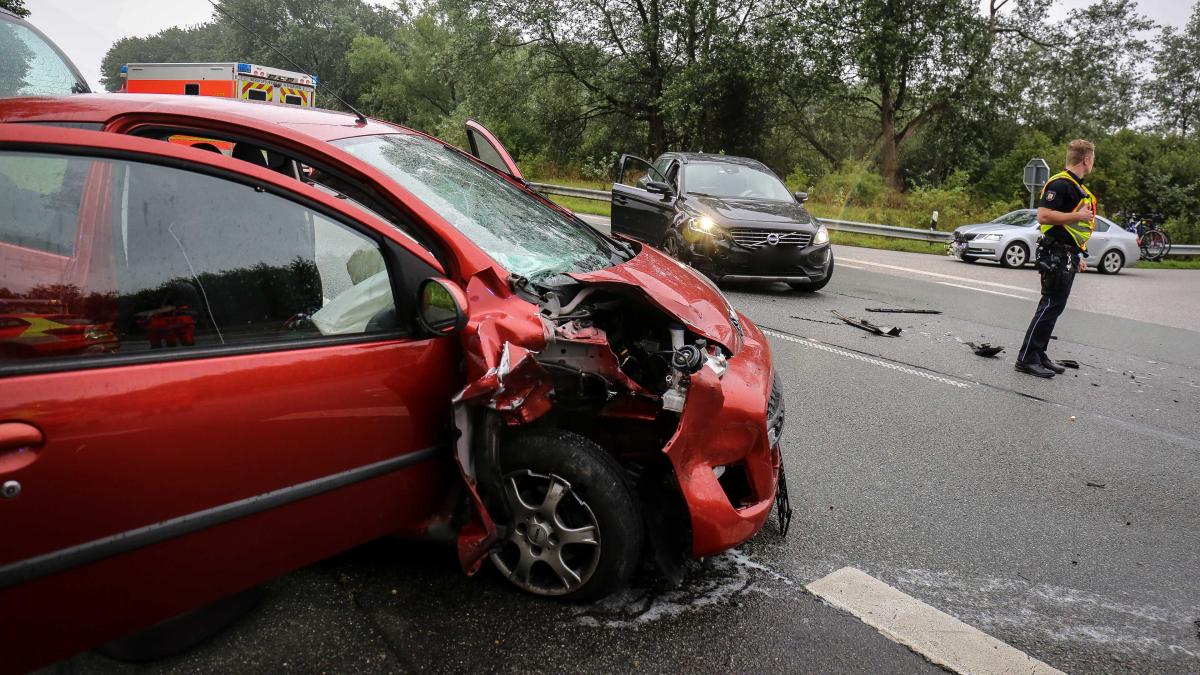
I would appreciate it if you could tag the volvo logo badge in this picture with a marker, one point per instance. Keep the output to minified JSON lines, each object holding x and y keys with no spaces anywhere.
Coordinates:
{"x":772,"y":239}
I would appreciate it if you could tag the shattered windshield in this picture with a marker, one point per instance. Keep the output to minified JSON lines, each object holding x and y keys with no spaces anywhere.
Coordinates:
{"x":523,"y":235}
{"x":30,"y":66}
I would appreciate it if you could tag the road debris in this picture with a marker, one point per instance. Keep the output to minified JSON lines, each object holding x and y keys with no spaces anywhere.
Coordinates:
{"x":1069,"y":363}
{"x":863,"y":324}
{"x":985,"y":349}
{"x":805,"y":318}
{"x":891,"y":310}
{"x":1071,"y":418}
{"x":1095,"y":485}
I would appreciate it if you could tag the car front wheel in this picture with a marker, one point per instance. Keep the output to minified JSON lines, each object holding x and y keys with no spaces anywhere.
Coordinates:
{"x":1111,"y":263}
{"x":1015,"y":255}
{"x":574,"y":528}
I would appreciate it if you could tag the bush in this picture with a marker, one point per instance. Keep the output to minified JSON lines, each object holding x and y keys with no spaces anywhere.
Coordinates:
{"x":853,"y":184}
{"x":798,"y":181}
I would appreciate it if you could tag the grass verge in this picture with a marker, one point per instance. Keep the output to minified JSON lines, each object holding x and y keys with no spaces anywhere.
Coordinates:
{"x":582,"y":205}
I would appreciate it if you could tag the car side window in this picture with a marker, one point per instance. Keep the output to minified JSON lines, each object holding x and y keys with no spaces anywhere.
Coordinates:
{"x":1102,"y":225}
{"x":39,"y":203}
{"x":168,"y":259}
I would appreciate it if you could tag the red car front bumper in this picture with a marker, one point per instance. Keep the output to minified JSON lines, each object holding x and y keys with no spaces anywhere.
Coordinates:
{"x":723,"y":431}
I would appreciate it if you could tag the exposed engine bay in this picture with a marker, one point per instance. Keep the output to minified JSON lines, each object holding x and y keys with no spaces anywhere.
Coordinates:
{"x":620,"y":353}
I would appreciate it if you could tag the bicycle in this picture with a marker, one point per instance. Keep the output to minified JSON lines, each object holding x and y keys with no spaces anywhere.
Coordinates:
{"x":1152,"y":239}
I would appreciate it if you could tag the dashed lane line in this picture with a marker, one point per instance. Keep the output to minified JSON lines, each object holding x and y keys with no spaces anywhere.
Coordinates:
{"x":813,"y":344}
{"x":984,"y":290}
{"x":937,"y":636}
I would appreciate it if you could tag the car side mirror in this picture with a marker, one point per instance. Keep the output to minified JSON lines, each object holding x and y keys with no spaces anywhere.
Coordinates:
{"x":801,"y":197}
{"x":443,"y":306}
{"x":659,"y":187}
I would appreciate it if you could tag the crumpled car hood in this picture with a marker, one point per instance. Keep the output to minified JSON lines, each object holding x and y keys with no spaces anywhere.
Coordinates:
{"x":676,"y":289}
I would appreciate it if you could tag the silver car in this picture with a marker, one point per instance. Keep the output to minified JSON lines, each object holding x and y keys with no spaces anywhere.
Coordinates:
{"x":1012,"y":239}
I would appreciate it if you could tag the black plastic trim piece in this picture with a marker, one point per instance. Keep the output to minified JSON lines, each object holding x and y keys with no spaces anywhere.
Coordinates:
{"x":24,"y":571}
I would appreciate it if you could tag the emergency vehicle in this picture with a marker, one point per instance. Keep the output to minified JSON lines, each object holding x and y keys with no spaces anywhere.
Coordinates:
{"x":246,"y":81}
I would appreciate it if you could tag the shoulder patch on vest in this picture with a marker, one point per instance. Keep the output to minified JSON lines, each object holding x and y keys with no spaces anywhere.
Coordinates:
{"x":1050,"y":195}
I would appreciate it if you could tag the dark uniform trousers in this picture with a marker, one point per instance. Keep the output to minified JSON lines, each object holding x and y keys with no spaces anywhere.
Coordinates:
{"x":1056,"y":288}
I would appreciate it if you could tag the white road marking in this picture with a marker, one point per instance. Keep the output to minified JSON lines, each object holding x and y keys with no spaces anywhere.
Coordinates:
{"x":936,"y":274}
{"x":865,"y":359}
{"x":984,"y":290}
{"x":842,"y":263}
{"x":937,"y":636}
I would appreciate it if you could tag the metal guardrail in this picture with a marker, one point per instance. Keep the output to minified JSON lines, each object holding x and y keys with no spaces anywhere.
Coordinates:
{"x":833,"y":224}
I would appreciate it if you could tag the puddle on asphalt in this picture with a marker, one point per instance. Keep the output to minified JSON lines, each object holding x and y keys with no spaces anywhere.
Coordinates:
{"x":721,"y":580}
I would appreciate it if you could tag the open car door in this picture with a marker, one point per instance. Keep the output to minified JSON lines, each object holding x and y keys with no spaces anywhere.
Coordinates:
{"x":642,"y":200}
{"x":490,"y":151}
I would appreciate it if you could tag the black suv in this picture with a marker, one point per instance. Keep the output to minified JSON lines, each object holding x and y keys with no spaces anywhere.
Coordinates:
{"x":729,"y":217}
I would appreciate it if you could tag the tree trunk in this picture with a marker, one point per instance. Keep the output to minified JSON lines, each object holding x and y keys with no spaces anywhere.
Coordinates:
{"x":889,"y":163}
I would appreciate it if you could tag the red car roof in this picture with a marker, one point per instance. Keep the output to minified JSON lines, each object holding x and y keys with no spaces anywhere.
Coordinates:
{"x":324,"y":125}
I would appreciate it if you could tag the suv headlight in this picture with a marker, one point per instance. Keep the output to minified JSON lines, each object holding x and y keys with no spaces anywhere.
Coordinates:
{"x":822,"y":235}
{"x":705,"y":225}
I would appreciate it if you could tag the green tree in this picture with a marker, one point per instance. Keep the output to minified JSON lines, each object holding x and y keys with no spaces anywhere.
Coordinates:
{"x":1174,"y":89}
{"x":206,"y":42}
{"x":15,"y":6}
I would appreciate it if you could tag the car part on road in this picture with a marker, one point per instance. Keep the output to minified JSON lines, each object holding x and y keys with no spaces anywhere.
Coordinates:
{"x":985,"y":349}
{"x":1069,"y":363}
{"x":574,"y":529}
{"x":1095,"y":485}
{"x":903,"y":311}
{"x":863,"y":324}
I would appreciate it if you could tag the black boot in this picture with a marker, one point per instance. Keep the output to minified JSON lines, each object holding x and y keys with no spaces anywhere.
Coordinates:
{"x":1035,"y":369}
{"x":1049,"y":363}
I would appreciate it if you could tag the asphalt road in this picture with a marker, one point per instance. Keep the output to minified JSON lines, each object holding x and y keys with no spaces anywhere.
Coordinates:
{"x":949,"y":476}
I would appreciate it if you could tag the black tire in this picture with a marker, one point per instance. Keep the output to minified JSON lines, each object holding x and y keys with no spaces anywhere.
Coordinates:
{"x":969,"y":259}
{"x":591,"y":485}
{"x":1105,"y":267}
{"x":809,"y":288}
{"x":1015,"y":255}
{"x":673,"y":245}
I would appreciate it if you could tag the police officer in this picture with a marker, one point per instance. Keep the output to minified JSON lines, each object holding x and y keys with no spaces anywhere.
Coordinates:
{"x":1067,"y":215}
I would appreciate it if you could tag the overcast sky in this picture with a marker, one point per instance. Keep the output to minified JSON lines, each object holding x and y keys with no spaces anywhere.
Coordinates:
{"x":85,"y":29}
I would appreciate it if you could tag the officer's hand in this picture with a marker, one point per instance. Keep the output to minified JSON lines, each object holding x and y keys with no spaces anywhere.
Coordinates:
{"x":1086,"y":212}
{"x":1082,"y":265}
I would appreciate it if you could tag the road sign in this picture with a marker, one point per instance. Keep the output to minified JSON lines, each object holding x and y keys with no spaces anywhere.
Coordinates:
{"x":1037,"y":172}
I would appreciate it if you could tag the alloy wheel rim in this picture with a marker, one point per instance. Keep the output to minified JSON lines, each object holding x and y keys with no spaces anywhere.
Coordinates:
{"x":553,"y":541}
{"x":1015,"y":256}
{"x":1111,"y":263}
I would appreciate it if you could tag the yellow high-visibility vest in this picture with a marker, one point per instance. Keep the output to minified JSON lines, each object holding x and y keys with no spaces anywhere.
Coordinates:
{"x":1080,"y":231}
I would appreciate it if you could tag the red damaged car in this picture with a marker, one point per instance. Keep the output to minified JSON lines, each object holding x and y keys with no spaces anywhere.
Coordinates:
{"x":343,"y":330}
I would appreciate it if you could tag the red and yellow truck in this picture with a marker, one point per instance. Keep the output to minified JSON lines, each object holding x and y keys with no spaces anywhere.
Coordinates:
{"x":246,"y":81}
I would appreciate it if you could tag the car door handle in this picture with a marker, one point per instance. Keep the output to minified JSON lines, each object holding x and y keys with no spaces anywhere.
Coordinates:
{"x":17,"y":440}
{"x":620,"y":200}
